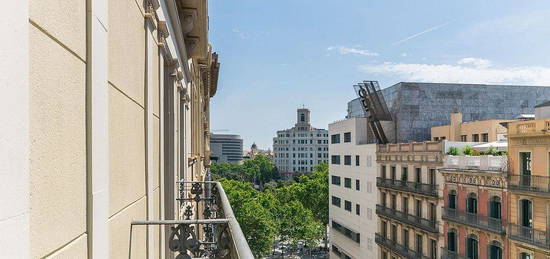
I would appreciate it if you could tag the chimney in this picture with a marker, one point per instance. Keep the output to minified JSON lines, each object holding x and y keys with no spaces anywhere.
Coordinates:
{"x":456,"y":120}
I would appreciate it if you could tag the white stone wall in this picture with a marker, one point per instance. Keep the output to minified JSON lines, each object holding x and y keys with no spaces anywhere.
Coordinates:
{"x":366,"y":196}
{"x":284,"y":145}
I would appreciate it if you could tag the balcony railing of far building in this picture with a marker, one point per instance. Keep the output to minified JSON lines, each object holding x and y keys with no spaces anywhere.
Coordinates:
{"x":420,"y":188}
{"x":422,"y":223}
{"x":400,"y":249}
{"x":448,"y":254}
{"x":474,"y":220}
{"x":477,"y":163}
{"x":529,"y":183}
{"x":528,"y":128}
{"x":208,"y":229}
{"x":529,"y":235}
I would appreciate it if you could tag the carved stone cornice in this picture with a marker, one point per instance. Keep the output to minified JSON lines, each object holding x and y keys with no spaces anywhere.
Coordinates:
{"x":492,"y":180}
{"x":192,"y":45}
{"x":162,"y":34}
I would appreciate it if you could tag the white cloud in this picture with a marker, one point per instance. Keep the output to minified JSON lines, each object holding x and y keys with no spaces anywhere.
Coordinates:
{"x":241,"y":34}
{"x":467,"y":70}
{"x":404,"y":54}
{"x":343,"y":50}
{"x":476,"y":62}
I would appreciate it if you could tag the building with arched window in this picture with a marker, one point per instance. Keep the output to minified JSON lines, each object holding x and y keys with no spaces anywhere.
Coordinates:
{"x":474,"y":212}
{"x":529,"y":186}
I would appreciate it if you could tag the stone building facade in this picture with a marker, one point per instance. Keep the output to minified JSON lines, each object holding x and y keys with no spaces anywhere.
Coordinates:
{"x":106,"y":104}
{"x":475,"y":212}
{"x":352,"y":191}
{"x":529,"y":187}
{"x":300,"y":148}
{"x":416,"y":107}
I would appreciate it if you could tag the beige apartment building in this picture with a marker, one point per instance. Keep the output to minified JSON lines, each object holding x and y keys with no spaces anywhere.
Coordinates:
{"x":106,"y":108}
{"x":471,"y":131}
{"x":352,"y":191}
{"x":409,"y":207}
{"x":529,"y":186}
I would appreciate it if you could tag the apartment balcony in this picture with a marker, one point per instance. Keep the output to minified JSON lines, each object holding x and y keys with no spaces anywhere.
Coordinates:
{"x":533,"y":184}
{"x":529,"y":235}
{"x":446,"y":254}
{"x":420,"y":188}
{"x":208,"y":228}
{"x":398,"y":248}
{"x":425,"y":224}
{"x":474,"y":220}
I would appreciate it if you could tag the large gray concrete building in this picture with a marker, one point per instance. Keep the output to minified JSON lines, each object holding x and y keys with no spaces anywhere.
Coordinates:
{"x":301,"y":147}
{"x":226,"y":148}
{"x":416,"y":107}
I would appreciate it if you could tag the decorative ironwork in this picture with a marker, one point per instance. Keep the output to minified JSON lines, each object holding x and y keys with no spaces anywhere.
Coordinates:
{"x":400,"y":249}
{"x":529,"y":183}
{"x":425,"y":224}
{"x":420,"y":188}
{"x":209,"y":228}
{"x":473,"y":220}
{"x":529,"y":235}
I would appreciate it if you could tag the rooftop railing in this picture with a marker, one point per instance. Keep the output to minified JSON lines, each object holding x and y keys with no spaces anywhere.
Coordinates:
{"x":427,"y":146}
{"x":529,"y":235}
{"x":208,"y":229}
{"x":529,"y":183}
{"x":422,"y":223}
{"x":474,"y":220}
{"x":398,"y":248}
{"x":482,"y":163}
{"x":421,"y":188}
{"x":533,"y":127}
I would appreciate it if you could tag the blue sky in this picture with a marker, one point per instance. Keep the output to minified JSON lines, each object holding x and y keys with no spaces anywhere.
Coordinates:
{"x":279,"y":55}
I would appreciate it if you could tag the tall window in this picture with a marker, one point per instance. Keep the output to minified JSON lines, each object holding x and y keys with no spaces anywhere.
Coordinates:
{"x":418,"y":208}
{"x":495,"y":208}
{"x":472,"y":251}
{"x":404,"y":174}
{"x":475,"y":137}
{"x":495,"y":250}
{"x":419,"y":243}
{"x":463,"y":138}
{"x":347,"y":137}
{"x":334,"y":159}
{"x":431,"y":176}
{"x":394,"y":233}
{"x":393,"y":172}
{"x":525,"y":168}
{"x":471,"y":203}
{"x":335,"y":139}
{"x":452,"y":199}
{"x":347,"y":205}
{"x":418,"y":175}
{"x":347,"y":160}
{"x":347,"y":182}
{"x":433,"y":249}
{"x":356,"y":160}
{"x":526,"y":213}
{"x":336,"y":201}
{"x":335,"y":180}
{"x":393,"y":202}
{"x":383,"y":172}
{"x":451,"y":240}
{"x":485,"y":137}
{"x":357,"y":185}
{"x":405,"y":238}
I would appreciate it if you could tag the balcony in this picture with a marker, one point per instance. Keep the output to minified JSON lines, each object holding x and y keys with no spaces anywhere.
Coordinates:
{"x":529,"y":235}
{"x":473,"y":220}
{"x":446,"y":254}
{"x":398,"y":248}
{"x":420,"y":188}
{"x":534,"y":184}
{"x":208,"y":228}
{"x":476,"y":163}
{"x":528,"y":128}
{"x":421,"y":223}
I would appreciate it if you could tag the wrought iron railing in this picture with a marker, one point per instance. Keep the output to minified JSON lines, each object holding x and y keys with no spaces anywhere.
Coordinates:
{"x":529,"y":235}
{"x":474,"y":220}
{"x":447,"y":254}
{"x":207,"y":228}
{"x":529,"y":183}
{"x":425,"y":224}
{"x":421,"y":188}
{"x":398,"y":248}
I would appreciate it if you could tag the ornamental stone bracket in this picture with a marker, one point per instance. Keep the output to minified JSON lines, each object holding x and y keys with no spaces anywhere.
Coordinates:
{"x":163,"y":33}
{"x":188,"y":19}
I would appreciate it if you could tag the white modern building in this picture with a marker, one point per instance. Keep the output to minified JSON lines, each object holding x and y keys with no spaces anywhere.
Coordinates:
{"x":226,"y":148}
{"x":300,"y":148}
{"x":352,"y":190}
